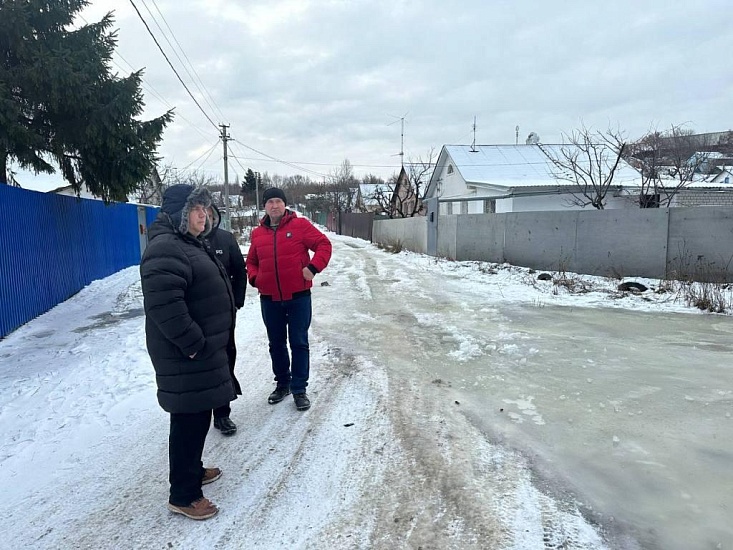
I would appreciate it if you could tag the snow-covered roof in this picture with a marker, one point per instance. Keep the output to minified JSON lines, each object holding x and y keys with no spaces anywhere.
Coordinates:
{"x":711,"y":155}
{"x":369,"y":189}
{"x":518,"y":165}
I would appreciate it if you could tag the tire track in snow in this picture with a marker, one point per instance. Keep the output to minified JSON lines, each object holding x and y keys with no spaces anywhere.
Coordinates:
{"x":438,"y":498}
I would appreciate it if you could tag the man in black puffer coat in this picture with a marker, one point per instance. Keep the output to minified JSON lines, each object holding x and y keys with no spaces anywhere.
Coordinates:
{"x":189,"y":326}
{"x":226,"y":249}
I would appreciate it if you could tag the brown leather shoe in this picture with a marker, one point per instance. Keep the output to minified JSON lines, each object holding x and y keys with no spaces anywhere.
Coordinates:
{"x":198,"y":509}
{"x":210,"y":475}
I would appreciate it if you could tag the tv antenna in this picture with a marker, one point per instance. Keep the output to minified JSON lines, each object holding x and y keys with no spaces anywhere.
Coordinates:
{"x":402,"y":137}
{"x":473,"y":145}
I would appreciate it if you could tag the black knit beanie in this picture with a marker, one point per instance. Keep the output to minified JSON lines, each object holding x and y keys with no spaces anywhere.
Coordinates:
{"x":273,"y":193}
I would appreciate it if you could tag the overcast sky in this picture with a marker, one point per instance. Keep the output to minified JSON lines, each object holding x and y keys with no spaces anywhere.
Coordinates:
{"x":314,"y":82}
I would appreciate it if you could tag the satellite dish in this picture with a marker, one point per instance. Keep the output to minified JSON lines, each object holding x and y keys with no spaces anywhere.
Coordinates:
{"x":532,"y":139}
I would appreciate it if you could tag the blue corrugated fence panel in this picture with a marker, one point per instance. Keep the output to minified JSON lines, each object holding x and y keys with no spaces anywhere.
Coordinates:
{"x":54,"y":245}
{"x":151,"y":212}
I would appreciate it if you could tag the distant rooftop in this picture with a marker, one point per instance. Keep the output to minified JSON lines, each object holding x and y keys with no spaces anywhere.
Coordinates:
{"x":518,"y":165}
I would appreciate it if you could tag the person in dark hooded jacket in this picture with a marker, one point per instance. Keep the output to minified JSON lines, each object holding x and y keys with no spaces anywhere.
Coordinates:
{"x":226,"y":249}
{"x":189,"y":327}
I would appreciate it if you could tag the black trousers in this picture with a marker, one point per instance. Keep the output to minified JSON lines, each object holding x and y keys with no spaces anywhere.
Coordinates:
{"x":185,"y":447}
{"x":223,"y":411}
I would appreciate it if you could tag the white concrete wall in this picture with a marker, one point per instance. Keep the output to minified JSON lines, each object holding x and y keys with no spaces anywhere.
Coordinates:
{"x":653,"y":242}
{"x":411,"y":232}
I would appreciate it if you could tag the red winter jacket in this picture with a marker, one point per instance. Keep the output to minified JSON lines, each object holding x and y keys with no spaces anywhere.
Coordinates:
{"x":276,"y":257}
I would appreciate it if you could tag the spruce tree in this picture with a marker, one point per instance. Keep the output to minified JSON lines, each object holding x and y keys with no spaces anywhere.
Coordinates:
{"x":61,"y":107}
{"x":250,"y":181}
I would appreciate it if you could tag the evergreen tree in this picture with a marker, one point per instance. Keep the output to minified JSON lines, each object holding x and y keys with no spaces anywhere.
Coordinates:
{"x":249,"y":183}
{"x":61,"y":106}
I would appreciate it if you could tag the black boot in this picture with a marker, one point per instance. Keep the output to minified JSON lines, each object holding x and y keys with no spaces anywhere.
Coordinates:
{"x":302,"y":403}
{"x":278,"y":395}
{"x":225,"y":426}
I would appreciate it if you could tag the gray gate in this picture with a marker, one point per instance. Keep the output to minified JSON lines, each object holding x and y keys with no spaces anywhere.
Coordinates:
{"x":432,"y":205}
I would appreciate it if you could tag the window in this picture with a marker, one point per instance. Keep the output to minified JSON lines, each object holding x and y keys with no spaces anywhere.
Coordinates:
{"x":449,"y":208}
{"x":450,"y":168}
{"x":464,"y":207}
{"x":727,"y":179}
{"x":489,"y":206}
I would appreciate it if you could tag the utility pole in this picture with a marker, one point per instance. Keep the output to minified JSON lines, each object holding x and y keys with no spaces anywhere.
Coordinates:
{"x":516,"y":135}
{"x":258,"y":178}
{"x":227,"y":216}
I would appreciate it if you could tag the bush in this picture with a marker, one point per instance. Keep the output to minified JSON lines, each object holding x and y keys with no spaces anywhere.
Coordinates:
{"x":393,"y":246}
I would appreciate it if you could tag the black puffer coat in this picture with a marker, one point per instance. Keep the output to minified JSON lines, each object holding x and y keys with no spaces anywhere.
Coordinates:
{"x":227,"y":251}
{"x":189,"y":308}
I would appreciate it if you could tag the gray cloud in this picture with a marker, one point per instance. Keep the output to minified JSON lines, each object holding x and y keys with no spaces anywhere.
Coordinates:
{"x":319,"y":81}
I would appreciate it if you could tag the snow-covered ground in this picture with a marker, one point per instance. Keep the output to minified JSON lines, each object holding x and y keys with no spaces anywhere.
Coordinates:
{"x":455,"y":405}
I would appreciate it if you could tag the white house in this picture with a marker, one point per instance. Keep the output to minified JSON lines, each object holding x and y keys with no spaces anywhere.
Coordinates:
{"x":722,"y":175}
{"x":513,"y":178}
{"x":68,"y":190}
{"x":714,"y":189}
{"x":372,"y":197}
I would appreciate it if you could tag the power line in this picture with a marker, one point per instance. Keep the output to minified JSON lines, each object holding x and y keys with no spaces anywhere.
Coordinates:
{"x":211,"y":97}
{"x":159,"y":96}
{"x":207,"y":157}
{"x":328,"y":163}
{"x":209,"y":151}
{"x":231,"y":154}
{"x":149,"y":87}
{"x":150,"y":32}
{"x":171,"y":65}
{"x":306,"y":170}
{"x":203,"y":92}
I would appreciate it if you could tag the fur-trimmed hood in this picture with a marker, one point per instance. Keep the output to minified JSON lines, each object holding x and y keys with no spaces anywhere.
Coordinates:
{"x":178,"y":201}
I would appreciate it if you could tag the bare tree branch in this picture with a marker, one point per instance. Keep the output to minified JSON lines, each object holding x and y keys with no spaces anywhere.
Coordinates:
{"x":669,"y":161}
{"x":589,"y":162}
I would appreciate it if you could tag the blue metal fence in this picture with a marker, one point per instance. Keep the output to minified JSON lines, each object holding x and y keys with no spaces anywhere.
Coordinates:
{"x":52,"y":246}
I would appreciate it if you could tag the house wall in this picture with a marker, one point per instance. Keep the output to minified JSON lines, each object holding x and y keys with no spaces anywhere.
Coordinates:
{"x":654,"y":242}
{"x":702,"y":197}
{"x":536,"y":203}
{"x":411,"y":232}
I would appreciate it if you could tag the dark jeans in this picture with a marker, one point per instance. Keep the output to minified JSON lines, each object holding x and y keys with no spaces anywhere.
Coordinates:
{"x":185,"y":447}
{"x":289,"y":321}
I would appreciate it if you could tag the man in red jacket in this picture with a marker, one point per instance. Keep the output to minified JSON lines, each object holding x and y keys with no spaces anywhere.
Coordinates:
{"x":280,"y":266}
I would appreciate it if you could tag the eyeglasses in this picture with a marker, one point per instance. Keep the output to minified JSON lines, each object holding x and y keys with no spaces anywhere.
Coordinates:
{"x":199,"y":210}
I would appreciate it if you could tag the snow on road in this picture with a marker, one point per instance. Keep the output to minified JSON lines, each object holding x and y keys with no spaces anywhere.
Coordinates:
{"x":398,"y":451}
